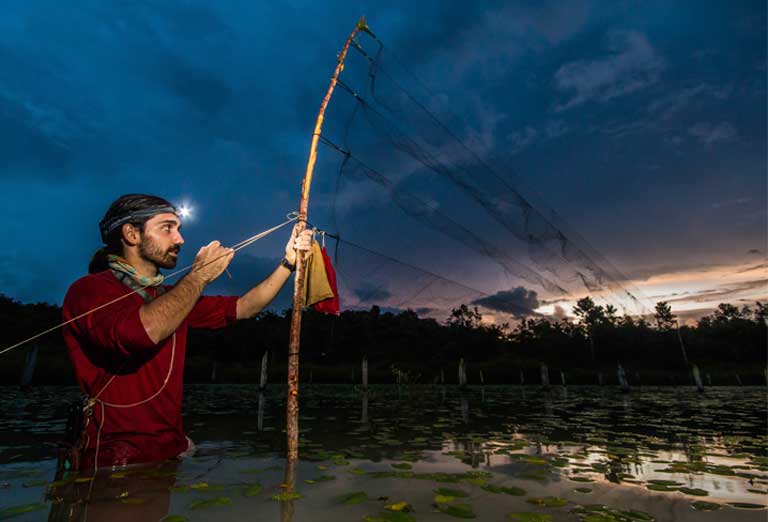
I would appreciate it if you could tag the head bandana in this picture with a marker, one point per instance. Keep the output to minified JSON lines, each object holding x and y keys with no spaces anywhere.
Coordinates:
{"x":106,"y":228}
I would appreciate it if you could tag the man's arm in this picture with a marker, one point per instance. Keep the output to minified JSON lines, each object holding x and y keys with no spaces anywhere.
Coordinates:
{"x":262,"y":294}
{"x":163,"y":315}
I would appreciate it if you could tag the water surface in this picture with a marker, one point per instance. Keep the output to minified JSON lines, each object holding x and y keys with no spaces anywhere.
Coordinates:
{"x":416,"y":453}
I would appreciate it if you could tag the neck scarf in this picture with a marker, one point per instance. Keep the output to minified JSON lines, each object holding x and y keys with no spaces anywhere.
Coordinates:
{"x":118,"y":264}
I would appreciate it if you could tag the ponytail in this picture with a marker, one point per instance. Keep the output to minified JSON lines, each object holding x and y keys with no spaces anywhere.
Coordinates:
{"x":99,"y":261}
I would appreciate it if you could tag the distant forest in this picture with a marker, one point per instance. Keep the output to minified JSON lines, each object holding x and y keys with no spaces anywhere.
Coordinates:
{"x":728,"y":347}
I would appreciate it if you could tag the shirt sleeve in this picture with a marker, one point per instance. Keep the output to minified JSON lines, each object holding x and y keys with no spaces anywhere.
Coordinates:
{"x":213,"y":312}
{"x":116,"y":326}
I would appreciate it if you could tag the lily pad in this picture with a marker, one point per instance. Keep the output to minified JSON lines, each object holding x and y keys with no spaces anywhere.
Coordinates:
{"x":601,"y":513}
{"x":391,"y":516}
{"x":633,"y":514}
{"x":402,"y":465}
{"x":694,"y":491}
{"x":583,"y":490}
{"x":252,"y":490}
{"x":527,"y":516}
{"x":518,"y":492}
{"x":356,"y":497}
{"x":321,"y":478}
{"x":746,"y":505}
{"x":700,"y":505}
{"x":20,"y":510}
{"x":547,"y":501}
{"x":665,"y":483}
{"x":286,"y":496}
{"x":457,"y":510}
{"x":399,"y":506}
{"x":660,"y":487}
{"x":218,"y":501}
{"x":174,"y":518}
{"x":450,"y":492}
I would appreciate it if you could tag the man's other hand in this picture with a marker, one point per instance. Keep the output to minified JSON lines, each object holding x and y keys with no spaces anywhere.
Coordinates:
{"x":211,"y":261}
{"x":297,"y":242}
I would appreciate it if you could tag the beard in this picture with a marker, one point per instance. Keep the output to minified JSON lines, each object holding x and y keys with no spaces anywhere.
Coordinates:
{"x":154,"y":253}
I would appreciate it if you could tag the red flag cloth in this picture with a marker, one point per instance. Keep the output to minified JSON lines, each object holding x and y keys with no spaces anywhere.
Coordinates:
{"x":331,"y":305}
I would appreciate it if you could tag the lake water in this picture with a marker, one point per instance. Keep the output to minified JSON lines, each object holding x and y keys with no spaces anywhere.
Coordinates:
{"x":590,"y":454}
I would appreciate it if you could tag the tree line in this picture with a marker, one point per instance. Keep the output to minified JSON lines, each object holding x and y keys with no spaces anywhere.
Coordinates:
{"x":728,"y":346}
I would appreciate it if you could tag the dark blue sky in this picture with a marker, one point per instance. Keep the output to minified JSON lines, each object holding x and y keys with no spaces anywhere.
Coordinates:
{"x":642,"y":124}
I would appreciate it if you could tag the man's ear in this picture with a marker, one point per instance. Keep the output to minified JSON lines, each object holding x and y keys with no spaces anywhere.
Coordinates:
{"x":131,"y":234}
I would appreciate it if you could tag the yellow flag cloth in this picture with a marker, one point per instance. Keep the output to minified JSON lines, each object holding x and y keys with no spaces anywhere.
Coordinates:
{"x":316,"y":285}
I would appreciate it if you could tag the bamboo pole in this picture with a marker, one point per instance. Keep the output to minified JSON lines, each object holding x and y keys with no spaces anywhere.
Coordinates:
{"x":292,"y":400}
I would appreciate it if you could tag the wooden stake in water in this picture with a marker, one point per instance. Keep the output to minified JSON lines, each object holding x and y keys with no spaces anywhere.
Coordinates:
{"x":544,"y":375}
{"x":213,"y":372}
{"x":522,"y":377}
{"x":365,"y":373}
{"x":621,"y":375}
{"x":260,"y":413}
{"x":462,"y":373}
{"x":562,"y":378}
{"x":364,"y":409}
{"x":263,"y":376}
{"x":482,"y":378}
{"x":292,"y":401}
{"x":30,"y":362}
{"x":697,"y":378}
{"x":682,"y":345}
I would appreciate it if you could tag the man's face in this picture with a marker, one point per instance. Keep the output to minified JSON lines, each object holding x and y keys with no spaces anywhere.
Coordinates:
{"x":161,"y":240}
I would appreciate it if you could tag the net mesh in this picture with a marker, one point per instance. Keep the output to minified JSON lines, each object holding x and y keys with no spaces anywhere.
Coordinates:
{"x":426,"y":222}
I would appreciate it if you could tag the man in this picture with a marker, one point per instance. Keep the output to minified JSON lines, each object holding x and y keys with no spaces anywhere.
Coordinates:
{"x":129,"y":355}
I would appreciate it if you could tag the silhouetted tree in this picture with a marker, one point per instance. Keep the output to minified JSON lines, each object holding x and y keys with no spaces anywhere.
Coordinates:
{"x":665,"y":321}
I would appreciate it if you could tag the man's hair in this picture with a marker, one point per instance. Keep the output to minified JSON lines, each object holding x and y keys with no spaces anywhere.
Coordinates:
{"x":134,"y":209}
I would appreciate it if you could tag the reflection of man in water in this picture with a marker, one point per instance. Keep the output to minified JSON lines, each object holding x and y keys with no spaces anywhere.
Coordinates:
{"x":136,"y":495}
{"x":129,"y":356}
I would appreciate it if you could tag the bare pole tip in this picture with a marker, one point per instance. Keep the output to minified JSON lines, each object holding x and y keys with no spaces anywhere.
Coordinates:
{"x":362,"y":25}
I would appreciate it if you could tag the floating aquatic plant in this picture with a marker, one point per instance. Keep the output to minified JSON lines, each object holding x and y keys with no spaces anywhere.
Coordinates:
{"x":700,"y":505}
{"x":286,"y":496}
{"x":528,"y":516}
{"x":547,"y":501}
{"x":252,"y":490}
{"x":356,"y":497}
{"x":20,"y":510}
{"x":456,"y":510}
{"x":206,"y":503}
{"x":450,"y":492}
{"x":504,"y":489}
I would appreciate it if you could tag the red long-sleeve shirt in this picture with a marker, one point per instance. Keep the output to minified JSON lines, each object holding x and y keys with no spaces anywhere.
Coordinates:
{"x":113,"y":341}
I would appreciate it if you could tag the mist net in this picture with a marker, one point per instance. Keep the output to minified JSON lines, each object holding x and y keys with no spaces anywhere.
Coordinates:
{"x":424,"y":222}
